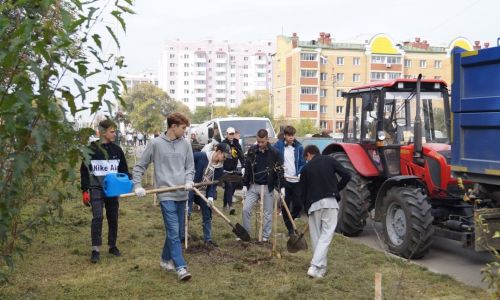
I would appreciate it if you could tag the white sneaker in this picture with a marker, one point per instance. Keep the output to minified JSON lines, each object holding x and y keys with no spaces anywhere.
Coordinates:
{"x":314,"y":272}
{"x":183,"y":274}
{"x":168,"y":265}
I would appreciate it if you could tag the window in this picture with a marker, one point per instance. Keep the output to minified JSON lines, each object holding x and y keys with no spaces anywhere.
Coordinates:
{"x":186,"y":65}
{"x":186,"y":91}
{"x":220,"y":100}
{"x":245,"y":58}
{"x":393,"y":75}
{"x":356,"y":61}
{"x":378,"y":75}
{"x":340,"y":60}
{"x":199,"y":91}
{"x":356,"y":77}
{"x":308,"y":56}
{"x":186,"y":56}
{"x":339,"y":125}
{"x":220,"y":65}
{"x":407,"y":63}
{"x":220,"y":55}
{"x":233,"y":92}
{"x":408,"y":77}
{"x":233,"y":67}
{"x":173,"y":74}
{"x":378,"y":59}
{"x":261,"y":75}
{"x":200,"y":99}
{"x":186,"y":82}
{"x":423,"y":63}
{"x":245,"y":67}
{"x":185,"y":99}
{"x":339,"y":109}
{"x":308,"y":90}
{"x":339,"y":93}
{"x":172,"y":91}
{"x":323,"y":60}
{"x":394,"y":60}
{"x":200,"y":64}
{"x":323,"y":124}
{"x":233,"y":75}
{"x":323,"y":108}
{"x":323,"y":76}
{"x":308,"y":107}
{"x":322,"y":92}
{"x":220,"y":73}
{"x":340,"y":77}
{"x":172,"y":65}
{"x":199,"y":82}
{"x":172,"y":82}
{"x":233,"y":83}
{"x":220,"y":82}
{"x":308,"y":73}
{"x":437,"y":64}
{"x":186,"y":73}
{"x":245,"y":84}
{"x":172,"y":55}
{"x":219,"y":91}
{"x":245,"y":75}
{"x":232,"y":58}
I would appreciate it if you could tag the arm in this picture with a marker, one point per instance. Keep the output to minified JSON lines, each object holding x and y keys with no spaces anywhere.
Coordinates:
{"x":84,"y":177}
{"x":189,"y":176}
{"x":303,"y":188}
{"x":302,"y":160}
{"x":281,"y":170}
{"x":248,"y":167}
{"x":241,"y":158}
{"x":141,"y":167}
{"x":344,"y":174}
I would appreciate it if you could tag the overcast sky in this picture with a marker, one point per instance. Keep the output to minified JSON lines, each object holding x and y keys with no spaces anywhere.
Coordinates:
{"x":438,"y":21}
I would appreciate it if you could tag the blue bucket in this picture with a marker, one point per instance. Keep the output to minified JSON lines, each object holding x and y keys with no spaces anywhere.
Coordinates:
{"x":116,"y":184}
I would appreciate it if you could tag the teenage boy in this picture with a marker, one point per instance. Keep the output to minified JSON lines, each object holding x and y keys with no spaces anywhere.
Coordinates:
{"x":105,"y":157}
{"x":292,"y":154}
{"x":172,"y":157}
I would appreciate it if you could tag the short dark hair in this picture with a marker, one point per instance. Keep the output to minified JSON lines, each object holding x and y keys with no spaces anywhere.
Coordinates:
{"x":177,"y":118}
{"x":105,"y":124}
{"x":289,"y":130}
{"x":311,"y":149}
{"x":262,"y":133}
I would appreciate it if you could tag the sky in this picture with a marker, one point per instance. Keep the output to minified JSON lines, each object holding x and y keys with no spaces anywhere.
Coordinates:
{"x":437,"y":21}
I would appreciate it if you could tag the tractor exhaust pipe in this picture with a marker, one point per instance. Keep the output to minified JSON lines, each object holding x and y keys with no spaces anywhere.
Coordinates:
{"x":417,"y":128}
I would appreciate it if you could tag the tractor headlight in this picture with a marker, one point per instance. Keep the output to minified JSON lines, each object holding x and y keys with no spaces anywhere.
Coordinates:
{"x":381,"y":135}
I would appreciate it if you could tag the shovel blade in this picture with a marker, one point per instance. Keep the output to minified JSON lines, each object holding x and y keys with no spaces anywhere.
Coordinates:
{"x":241,"y":232}
{"x":296,"y":243}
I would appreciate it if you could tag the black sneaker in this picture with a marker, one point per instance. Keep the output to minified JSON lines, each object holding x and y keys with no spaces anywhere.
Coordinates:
{"x":232,"y":211}
{"x":211,"y":244}
{"x":94,"y":258}
{"x":115,"y":251}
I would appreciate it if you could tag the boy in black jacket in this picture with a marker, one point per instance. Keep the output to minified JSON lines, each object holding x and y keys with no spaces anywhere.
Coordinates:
{"x":320,"y":192}
{"x":105,"y":157}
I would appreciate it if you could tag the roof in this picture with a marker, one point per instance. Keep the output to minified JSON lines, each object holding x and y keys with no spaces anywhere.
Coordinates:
{"x":391,"y":83}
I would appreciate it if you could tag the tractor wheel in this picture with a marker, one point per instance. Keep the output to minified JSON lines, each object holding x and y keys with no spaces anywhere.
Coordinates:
{"x":354,"y":200}
{"x":407,"y":222}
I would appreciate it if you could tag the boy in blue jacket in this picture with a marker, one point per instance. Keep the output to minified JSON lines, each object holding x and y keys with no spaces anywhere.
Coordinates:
{"x":208,"y":167}
{"x":292,"y":154}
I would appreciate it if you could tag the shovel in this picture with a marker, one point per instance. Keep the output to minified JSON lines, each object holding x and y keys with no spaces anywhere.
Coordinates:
{"x":239,"y":230}
{"x":297,"y":243}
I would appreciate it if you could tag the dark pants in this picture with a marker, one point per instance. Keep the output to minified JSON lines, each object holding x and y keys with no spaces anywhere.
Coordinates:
{"x":206,"y":213}
{"x":292,"y":199}
{"x":98,"y":202}
{"x":229,"y":188}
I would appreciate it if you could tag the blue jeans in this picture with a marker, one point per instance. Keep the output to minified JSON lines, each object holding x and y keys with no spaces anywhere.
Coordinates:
{"x":206,"y":213}
{"x":173,"y":217}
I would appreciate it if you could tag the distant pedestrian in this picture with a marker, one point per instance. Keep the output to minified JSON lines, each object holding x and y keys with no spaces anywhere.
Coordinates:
{"x":320,"y":196}
{"x":194,"y":143}
{"x":263,"y":171}
{"x":140,"y":138}
{"x":106,"y":158}
{"x":230,"y":165}
{"x":292,"y":153}
{"x":173,"y":163}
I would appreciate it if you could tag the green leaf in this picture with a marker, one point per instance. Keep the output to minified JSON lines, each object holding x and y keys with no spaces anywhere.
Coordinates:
{"x":97,"y":40}
{"x":101,"y":91}
{"x":114,"y":36}
{"x":70,"y":99}
{"x":80,"y":89}
{"x":118,"y":16}
{"x":126,"y":9}
{"x":91,"y":13}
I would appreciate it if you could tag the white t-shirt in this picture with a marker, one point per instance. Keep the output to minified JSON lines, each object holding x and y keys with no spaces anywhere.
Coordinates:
{"x":289,"y":163}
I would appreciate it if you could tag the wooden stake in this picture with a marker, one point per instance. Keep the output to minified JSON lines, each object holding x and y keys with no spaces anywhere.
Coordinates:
{"x":186,"y":226}
{"x":261,"y":219}
{"x":275,"y":227}
{"x":378,"y":286}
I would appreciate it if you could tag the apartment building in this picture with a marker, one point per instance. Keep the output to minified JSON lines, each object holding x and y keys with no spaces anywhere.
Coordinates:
{"x":147,"y":76}
{"x":210,"y":72}
{"x":310,"y":76}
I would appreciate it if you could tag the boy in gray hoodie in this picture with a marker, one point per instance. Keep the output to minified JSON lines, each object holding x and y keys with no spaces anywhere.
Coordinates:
{"x":172,"y":157}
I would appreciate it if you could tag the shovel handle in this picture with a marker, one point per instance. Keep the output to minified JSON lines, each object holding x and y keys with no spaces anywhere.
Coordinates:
{"x":197,"y":191}
{"x":169,"y":189}
{"x":282,"y":197}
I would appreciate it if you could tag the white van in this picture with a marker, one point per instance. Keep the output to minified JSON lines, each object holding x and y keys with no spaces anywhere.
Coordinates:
{"x":247,"y":126}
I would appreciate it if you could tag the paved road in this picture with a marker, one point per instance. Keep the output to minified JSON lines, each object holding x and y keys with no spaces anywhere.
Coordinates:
{"x":446,"y":256}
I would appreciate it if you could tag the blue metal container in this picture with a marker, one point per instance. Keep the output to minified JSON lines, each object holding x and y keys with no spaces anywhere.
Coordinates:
{"x":116,"y":184}
{"x":475,"y":104}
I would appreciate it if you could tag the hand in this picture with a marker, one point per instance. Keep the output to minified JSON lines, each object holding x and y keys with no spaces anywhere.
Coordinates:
{"x":188,"y":186}
{"x":210,"y":201}
{"x":282,"y":191}
{"x":244,"y":190}
{"x":140,"y":192}
{"x":86,"y":198}
{"x":242,"y":171}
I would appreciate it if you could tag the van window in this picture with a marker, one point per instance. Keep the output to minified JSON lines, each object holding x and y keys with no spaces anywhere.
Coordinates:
{"x":248,"y":127}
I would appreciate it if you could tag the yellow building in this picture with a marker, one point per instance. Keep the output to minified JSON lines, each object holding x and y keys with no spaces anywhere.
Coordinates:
{"x":310,"y":76}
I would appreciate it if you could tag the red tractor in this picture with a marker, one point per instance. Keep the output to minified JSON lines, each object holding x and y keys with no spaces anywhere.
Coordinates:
{"x":399,"y":155}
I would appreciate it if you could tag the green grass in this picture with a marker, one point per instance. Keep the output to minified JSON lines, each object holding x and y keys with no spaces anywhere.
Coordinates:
{"x":57,"y":265}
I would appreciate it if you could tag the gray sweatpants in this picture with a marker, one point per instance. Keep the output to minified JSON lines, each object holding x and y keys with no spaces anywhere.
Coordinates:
{"x":252,"y":197}
{"x":322,"y":225}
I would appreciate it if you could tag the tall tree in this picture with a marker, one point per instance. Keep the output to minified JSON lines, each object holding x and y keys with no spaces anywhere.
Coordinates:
{"x":255,"y":105}
{"x":148,"y":106}
{"x":49,"y":51}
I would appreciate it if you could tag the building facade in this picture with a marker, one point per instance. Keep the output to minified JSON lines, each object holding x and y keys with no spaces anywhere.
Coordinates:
{"x":310,"y":76}
{"x":148,"y":76}
{"x":218,"y":73}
